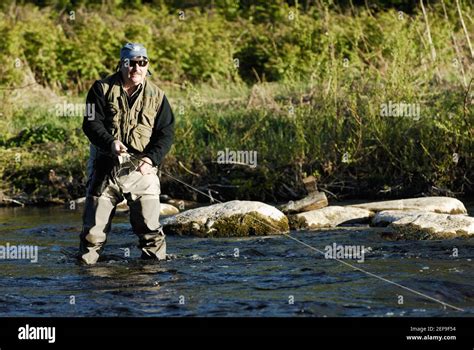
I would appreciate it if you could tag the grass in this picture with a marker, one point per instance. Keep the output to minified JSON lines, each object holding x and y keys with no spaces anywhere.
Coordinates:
{"x":333,"y":73}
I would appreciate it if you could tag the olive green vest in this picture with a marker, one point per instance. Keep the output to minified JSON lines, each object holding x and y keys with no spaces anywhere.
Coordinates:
{"x":133,"y":126}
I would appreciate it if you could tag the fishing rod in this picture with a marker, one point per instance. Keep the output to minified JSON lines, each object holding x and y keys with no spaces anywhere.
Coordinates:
{"x":368,"y":273}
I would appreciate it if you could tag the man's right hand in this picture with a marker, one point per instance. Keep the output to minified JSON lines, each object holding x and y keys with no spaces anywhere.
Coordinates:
{"x":118,"y":148}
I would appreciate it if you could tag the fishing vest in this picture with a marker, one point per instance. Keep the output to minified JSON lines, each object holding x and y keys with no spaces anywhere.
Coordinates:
{"x":131,"y":125}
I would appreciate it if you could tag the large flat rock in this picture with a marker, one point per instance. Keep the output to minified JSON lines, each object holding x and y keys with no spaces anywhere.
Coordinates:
{"x":446,"y":205}
{"x":234,"y":218}
{"x":331,"y":216}
{"x":386,"y":217}
{"x":433,"y":226}
{"x":315,"y":200}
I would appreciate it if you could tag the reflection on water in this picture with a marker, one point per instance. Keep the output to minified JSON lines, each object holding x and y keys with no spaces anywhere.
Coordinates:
{"x":271,"y":276}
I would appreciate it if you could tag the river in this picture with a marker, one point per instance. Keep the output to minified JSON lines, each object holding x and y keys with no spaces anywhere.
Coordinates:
{"x":260,"y":276}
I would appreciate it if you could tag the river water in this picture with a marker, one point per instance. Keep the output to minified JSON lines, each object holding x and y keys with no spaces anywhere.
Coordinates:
{"x":271,"y":276}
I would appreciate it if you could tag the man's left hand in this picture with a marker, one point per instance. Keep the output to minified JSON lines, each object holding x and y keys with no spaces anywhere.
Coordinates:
{"x":145,"y":166}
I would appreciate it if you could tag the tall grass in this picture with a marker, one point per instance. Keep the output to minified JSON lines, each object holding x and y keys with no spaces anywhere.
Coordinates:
{"x":322,"y":77}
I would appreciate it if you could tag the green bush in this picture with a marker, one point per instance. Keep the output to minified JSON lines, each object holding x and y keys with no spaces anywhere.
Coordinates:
{"x":40,"y":134}
{"x":332,"y":65}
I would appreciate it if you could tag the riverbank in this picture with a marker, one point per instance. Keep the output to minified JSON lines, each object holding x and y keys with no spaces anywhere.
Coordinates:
{"x":363,"y":108}
{"x":374,"y":157}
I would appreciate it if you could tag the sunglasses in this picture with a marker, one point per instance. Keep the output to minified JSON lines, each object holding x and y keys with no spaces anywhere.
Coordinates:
{"x":141,"y":63}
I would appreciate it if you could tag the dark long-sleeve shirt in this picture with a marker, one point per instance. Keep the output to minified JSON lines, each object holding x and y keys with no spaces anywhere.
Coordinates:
{"x":98,"y":129}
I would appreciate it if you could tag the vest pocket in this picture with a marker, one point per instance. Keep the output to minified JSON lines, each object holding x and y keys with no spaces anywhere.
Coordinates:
{"x":148,"y":115}
{"x":140,"y":137}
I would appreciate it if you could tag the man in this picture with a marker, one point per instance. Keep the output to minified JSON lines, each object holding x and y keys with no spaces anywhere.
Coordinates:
{"x":131,"y":131}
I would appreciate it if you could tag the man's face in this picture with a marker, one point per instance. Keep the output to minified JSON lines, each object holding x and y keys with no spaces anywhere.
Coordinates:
{"x":134,"y":70}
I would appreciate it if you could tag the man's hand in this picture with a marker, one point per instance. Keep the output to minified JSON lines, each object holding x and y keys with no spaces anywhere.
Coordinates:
{"x":118,"y":148}
{"x":145,"y":166}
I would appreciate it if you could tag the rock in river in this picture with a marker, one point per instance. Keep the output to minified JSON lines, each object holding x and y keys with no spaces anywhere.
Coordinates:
{"x":168,"y":209}
{"x":234,"y":218}
{"x":446,"y":205}
{"x":315,"y":200}
{"x":433,"y":226}
{"x":331,"y":216}
{"x":386,"y":217}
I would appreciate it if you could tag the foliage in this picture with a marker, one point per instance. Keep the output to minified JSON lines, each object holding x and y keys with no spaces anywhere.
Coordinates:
{"x":325,"y":72}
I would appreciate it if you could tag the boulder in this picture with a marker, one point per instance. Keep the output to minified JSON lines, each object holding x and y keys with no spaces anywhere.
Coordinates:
{"x":433,"y":226}
{"x":386,"y":217}
{"x":331,"y":216}
{"x":315,"y":200}
{"x":446,"y":205}
{"x":168,"y":209}
{"x":234,"y":218}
